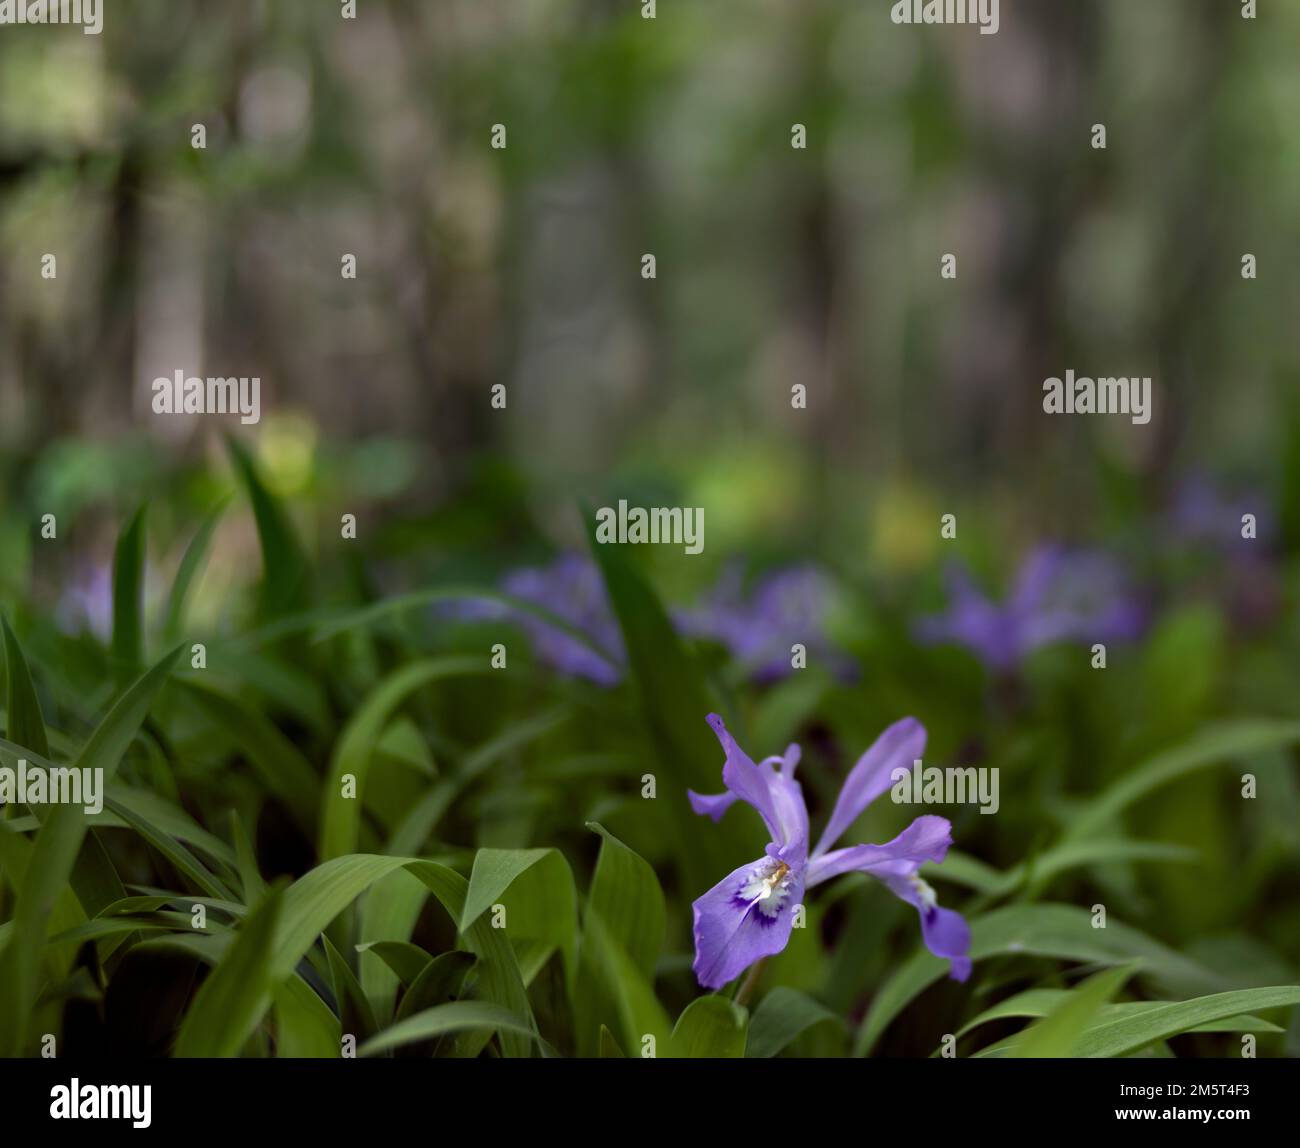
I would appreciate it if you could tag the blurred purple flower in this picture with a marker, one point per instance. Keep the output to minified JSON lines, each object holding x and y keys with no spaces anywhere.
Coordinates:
{"x":1204,"y":513}
{"x":785,"y":606}
{"x":573,"y":590}
{"x":1247,"y":581}
{"x":1057,"y":597}
{"x":87,"y":603}
{"x":749,"y":914}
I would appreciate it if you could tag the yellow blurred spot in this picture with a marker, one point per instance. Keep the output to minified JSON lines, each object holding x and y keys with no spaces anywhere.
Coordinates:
{"x":905,"y":529}
{"x":749,"y":493}
{"x":287,"y":454}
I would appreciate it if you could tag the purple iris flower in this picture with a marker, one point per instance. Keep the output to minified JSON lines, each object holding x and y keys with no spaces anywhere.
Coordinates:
{"x":748,"y":915}
{"x":1057,"y":597}
{"x":785,"y":606}
{"x":572,"y":589}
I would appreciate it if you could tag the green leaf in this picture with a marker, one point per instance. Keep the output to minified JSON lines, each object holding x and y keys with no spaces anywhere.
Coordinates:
{"x":121,"y":924}
{"x":317,"y":897}
{"x":626,"y":896}
{"x":113,"y":736}
{"x":128,"y":592}
{"x":781,"y":1017}
{"x":458,"y":1016}
{"x":237,"y":993}
{"x":23,"y":712}
{"x":403,"y":744}
{"x":786,"y":707}
{"x":710,"y":1027}
{"x":191,"y":563}
{"x":1215,"y":744}
{"x":304,"y":1025}
{"x":173,"y":850}
{"x":341,"y":818}
{"x":1120,"y":1035}
{"x":638,"y":1011}
{"x":1039,"y":1002}
{"x":285,"y":685}
{"x":536,"y":888}
{"x":389,"y":913}
{"x":969,"y":872}
{"x":355,"y":1013}
{"x":58,"y":843}
{"x":1058,"y":1033}
{"x":494,"y":872}
{"x":673,"y":695}
{"x":1038,"y":871}
{"x":609,"y":1049}
{"x":169,"y":818}
{"x":94,"y":879}
{"x":441,"y":980}
{"x":1048,"y":930}
{"x":250,"y":876}
{"x":532,"y":956}
{"x":1182,"y":663}
{"x":15,"y":857}
{"x":410,"y":836}
{"x":285,"y":570}
{"x":284,"y":769}
{"x":406,"y":960}
{"x":320,"y":895}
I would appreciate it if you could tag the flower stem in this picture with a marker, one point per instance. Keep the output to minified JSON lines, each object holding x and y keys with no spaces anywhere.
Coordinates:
{"x":750,"y":982}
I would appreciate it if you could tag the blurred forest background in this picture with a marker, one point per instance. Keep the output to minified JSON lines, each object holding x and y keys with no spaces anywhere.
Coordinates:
{"x":371,"y":136}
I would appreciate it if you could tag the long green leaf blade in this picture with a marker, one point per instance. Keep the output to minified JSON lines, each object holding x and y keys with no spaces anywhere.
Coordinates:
{"x":23,"y":711}
{"x":128,"y":594}
{"x":237,"y":992}
{"x":456,"y":1016}
{"x":57,"y":845}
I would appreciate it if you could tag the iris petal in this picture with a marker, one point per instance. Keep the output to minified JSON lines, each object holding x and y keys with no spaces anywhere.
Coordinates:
{"x":746,"y":916}
{"x":775,"y":794}
{"x":896,"y":863}
{"x":946,"y":934}
{"x":926,"y":839}
{"x":898,"y":747}
{"x":712,"y":805}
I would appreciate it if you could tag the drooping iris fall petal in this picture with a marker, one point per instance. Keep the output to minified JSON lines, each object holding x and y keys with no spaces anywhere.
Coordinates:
{"x":746,"y":916}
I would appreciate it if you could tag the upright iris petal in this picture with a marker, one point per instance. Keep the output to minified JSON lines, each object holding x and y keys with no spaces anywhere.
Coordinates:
{"x":749,"y":914}
{"x":899,"y":747}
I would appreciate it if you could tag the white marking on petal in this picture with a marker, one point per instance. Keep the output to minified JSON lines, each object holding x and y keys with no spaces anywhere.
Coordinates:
{"x":767,"y":887}
{"x":923,"y":890}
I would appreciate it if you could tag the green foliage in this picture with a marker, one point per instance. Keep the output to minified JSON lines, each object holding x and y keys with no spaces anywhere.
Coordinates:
{"x":710,"y":1027}
{"x":1058,"y":1033}
{"x":477,"y":864}
{"x":128,"y":592}
{"x":236,"y":993}
{"x":782,"y":1017}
